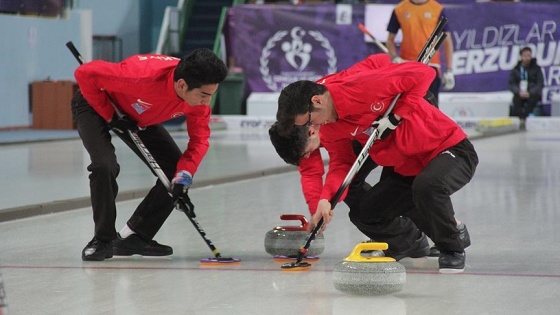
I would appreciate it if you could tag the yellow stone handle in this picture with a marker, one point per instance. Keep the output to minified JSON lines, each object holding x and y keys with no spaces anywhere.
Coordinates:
{"x":356,"y":254}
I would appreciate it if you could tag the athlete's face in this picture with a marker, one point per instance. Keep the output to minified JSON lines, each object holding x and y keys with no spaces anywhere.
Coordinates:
{"x":321,"y":111}
{"x":195,"y":97}
{"x":313,"y":142}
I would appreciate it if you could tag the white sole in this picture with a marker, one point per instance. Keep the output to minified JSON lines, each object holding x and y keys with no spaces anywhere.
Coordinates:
{"x":450,"y":271}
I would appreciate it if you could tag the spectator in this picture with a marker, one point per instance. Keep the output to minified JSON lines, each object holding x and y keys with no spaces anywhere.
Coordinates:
{"x":526,"y":81}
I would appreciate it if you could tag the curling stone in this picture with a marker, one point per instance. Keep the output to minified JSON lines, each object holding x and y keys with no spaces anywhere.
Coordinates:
{"x":360,"y":275}
{"x":285,"y":241}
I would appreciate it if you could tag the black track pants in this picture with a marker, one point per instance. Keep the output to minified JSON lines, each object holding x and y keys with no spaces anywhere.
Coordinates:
{"x":523,"y":107}
{"x":104,"y":169}
{"x":425,"y":198}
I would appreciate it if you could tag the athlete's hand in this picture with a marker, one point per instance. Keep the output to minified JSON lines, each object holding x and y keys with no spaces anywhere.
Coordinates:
{"x":123,"y":124}
{"x":180,"y":190}
{"x":325,"y":212}
{"x":386,"y":125}
{"x":448,"y":80}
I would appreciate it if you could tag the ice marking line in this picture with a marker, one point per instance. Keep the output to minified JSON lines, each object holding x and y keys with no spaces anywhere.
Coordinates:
{"x":545,"y":139}
{"x":207,"y":268}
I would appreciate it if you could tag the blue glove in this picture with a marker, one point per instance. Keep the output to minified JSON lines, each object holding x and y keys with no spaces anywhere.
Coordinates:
{"x":386,"y":125}
{"x":123,"y":124}
{"x":180,"y":189}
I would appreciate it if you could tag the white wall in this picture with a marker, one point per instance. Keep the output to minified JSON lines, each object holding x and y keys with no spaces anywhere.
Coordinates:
{"x":120,"y":18}
{"x":33,"y":49}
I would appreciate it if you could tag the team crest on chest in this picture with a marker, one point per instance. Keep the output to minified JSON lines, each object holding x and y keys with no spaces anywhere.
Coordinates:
{"x":377,"y":107}
{"x":141,"y":106}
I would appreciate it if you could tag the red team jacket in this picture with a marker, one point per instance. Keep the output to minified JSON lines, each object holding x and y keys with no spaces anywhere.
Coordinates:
{"x":362,"y":97}
{"x":142,"y":88}
{"x":312,"y":168}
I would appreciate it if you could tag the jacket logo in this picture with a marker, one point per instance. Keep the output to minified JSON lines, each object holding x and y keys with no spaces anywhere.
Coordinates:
{"x":354,"y":132}
{"x":141,"y":106}
{"x":377,"y":107}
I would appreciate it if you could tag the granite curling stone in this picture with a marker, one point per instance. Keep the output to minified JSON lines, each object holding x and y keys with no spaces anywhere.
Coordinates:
{"x":360,"y":275}
{"x":286,"y":241}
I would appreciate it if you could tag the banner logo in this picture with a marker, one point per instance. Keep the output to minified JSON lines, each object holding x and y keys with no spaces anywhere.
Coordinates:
{"x":297,"y":50}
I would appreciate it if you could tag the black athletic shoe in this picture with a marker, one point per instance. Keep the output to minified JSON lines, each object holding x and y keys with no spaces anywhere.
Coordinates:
{"x":452,"y":262}
{"x":135,"y":245}
{"x":97,"y":250}
{"x":464,"y":237}
{"x":434,"y":252}
{"x":420,"y":248}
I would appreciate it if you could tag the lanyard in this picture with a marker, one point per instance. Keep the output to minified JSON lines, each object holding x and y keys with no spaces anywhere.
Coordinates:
{"x":523,"y":73}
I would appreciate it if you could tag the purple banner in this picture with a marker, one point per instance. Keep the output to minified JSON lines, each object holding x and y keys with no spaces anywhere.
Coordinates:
{"x":487,"y":38}
{"x":279,"y":44}
{"x":33,"y":7}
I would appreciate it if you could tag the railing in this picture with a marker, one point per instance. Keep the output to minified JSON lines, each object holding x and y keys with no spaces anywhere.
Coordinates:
{"x":219,"y":40}
{"x":173,"y":27}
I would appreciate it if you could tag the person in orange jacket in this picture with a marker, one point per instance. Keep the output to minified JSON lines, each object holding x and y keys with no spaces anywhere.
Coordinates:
{"x":417,"y":19}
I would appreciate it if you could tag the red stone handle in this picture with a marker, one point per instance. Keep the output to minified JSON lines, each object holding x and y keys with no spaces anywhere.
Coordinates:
{"x":300,"y":217}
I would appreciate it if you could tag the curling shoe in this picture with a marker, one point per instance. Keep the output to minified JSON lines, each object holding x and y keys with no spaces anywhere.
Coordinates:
{"x":420,"y":248}
{"x":452,"y":262}
{"x":464,"y":237}
{"x":135,"y":245}
{"x":97,"y":250}
{"x":434,"y":252}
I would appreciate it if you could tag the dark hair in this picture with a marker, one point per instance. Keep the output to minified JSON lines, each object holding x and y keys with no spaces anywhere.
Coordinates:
{"x":524,"y":49}
{"x":292,"y":147}
{"x":295,"y":99}
{"x":200,"y":67}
